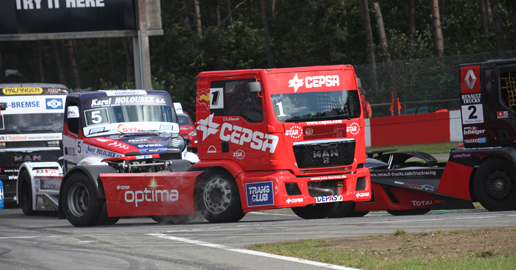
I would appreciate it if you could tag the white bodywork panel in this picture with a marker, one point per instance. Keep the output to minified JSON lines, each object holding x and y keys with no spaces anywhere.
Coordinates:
{"x":45,"y":180}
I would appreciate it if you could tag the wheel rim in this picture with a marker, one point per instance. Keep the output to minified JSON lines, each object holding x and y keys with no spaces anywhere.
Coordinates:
{"x":78,"y":200}
{"x":498,"y":184}
{"x":217,"y":195}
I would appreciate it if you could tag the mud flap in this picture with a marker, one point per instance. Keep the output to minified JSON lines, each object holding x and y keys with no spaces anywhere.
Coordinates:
{"x":150,"y":194}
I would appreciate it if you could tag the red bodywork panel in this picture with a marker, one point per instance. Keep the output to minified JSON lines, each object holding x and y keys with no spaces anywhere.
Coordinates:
{"x":455,"y":181}
{"x":408,"y":199}
{"x":150,"y":194}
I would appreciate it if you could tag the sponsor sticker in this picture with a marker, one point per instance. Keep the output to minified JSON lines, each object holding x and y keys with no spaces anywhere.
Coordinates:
{"x":476,"y":140}
{"x":363,"y":194}
{"x":461,"y":155}
{"x":470,"y":98}
{"x":421,"y":203}
{"x":259,"y":194}
{"x":150,"y":194}
{"x":314,"y":81}
{"x":473,"y":131}
{"x":331,"y":198}
{"x":238,"y":135}
{"x":354,"y":128}
{"x":54,"y":103}
{"x":502,"y":114}
{"x":240,"y":154}
{"x":295,"y":132}
{"x":22,"y":91}
{"x":294,"y":200}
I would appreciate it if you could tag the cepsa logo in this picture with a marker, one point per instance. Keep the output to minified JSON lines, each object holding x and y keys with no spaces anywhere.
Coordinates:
{"x":314,"y":81}
{"x":123,"y":128}
{"x":153,"y":194}
{"x":238,"y":135}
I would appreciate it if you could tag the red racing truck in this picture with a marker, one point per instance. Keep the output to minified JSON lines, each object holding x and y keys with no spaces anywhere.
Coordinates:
{"x":268,"y":139}
{"x":275,"y":138}
{"x":483,"y":169}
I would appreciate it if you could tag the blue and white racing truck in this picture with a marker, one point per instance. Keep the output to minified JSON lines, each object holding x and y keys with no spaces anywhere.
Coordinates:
{"x":105,"y":131}
{"x":30,"y":128}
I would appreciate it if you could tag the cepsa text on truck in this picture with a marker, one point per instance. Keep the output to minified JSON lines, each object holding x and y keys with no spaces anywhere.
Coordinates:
{"x":276,"y":138}
{"x":30,"y":128}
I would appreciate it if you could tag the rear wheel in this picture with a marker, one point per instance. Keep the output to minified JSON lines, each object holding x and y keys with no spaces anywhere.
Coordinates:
{"x":495,"y":185}
{"x":26,"y":194}
{"x":313,"y":211}
{"x":408,"y":212}
{"x":218,"y":198}
{"x":81,"y":205}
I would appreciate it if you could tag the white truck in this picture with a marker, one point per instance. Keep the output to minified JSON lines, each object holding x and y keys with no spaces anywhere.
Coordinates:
{"x":104,"y":131}
{"x":30,"y":128}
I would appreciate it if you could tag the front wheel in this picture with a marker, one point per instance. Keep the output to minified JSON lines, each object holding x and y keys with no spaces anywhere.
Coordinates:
{"x":81,"y":205}
{"x":218,"y":198}
{"x":26,"y":194}
{"x":495,"y":185}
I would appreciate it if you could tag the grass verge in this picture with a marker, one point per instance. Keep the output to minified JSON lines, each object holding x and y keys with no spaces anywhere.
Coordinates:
{"x":462,"y":249}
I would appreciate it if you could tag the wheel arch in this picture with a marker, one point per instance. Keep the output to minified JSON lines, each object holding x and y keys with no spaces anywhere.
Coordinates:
{"x":92,"y":172}
{"x":507,"y":153}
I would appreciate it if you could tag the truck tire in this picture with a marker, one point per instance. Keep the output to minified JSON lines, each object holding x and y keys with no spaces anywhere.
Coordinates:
{"x":26,"y":194}
{"x":218,"y":199}
{"x":346,"y":209}
{"x":343,"y":209}
{"x":409,"y":212}
{"x":313,"y":211}
{"x":80,"y":203}
{"x":495,"y":185}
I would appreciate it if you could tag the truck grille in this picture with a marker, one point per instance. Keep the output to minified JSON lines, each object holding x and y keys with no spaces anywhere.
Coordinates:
{"x":325,"y":153}
{"x":15,"y":159}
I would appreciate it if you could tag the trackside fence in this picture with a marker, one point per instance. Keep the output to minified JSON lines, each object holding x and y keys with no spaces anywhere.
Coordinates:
{"x":422,"y":85}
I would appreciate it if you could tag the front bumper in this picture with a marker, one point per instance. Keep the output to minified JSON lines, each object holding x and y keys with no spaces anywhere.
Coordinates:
{"x":281,"y":189}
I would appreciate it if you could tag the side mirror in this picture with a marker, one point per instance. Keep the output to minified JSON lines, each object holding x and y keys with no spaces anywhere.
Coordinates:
{"x":254,"y":87}
{"x":359,"y":83}
{"x":3,"y":106}
{"x":73,"y":112}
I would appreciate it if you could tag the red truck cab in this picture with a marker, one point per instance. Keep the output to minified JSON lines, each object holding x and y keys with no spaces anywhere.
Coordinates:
{"x":291,"y":137}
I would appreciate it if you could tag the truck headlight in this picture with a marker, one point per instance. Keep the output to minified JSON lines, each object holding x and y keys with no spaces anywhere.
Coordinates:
{"x":177,"y":142}
{"x":193,"y":133}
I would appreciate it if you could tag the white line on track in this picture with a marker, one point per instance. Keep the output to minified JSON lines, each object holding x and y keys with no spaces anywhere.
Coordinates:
{"x":250,"y":252}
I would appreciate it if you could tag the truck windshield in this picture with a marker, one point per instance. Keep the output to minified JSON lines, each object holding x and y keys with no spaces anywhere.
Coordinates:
{"x":31,"y":123}
{"x":316,"y":106}
{"x":124,"y":114}
{"x":128,"y":114}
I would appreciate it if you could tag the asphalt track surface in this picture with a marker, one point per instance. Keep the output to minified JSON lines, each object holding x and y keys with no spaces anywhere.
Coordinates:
{"x":45,"y":242}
